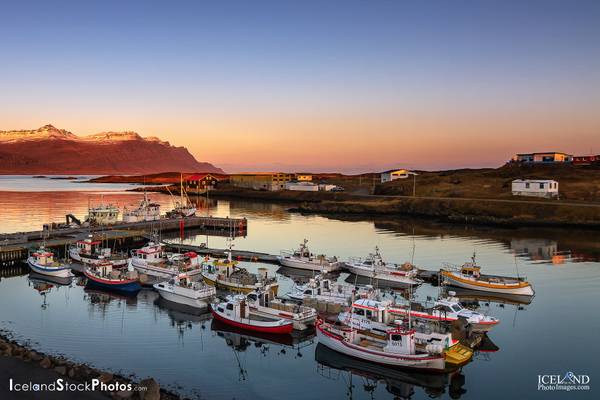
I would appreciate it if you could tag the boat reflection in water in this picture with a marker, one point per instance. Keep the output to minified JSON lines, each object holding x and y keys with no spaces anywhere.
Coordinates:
{"x":182,"y":318}
{"x":45,"y":283}
{"x":474,"y":297}
{"x":240,"y":340}
{"x":399,"y":382}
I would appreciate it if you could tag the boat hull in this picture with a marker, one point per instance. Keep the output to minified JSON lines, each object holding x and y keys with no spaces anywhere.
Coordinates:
{"x":452,"y":280}
{"x":62,"y":272}
{"x":199,"y":303}
{"x":284,"y":329}
{"x":127,"y":286}
{"x":334,"y":342}
{"x":326,"y":267}
{"x":299,"y":323}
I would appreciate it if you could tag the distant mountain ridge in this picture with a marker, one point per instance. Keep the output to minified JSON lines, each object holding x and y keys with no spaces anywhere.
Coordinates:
{"x":49,"y":150}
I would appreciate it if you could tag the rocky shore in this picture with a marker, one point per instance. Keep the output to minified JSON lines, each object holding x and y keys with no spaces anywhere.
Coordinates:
{"x":24,"y":365}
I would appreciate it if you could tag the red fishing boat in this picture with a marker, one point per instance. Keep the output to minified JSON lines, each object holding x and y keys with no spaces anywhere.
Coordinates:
{"x":236,"y":312}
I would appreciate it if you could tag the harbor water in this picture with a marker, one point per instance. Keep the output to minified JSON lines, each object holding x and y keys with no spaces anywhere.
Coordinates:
{"x":554,"y":333}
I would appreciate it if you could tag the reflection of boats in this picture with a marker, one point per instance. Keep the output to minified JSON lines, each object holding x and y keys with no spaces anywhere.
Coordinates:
{"x":304,"y":259}
{"x":183,"y":291}
{"x":152,"y":260}
{"x":42,"y":261}
{"x":264,"y":304}
{"x":146,"y":211}
{"x":236,"y":312}
{"x":397,"y":348}
{"x":89,"y":252}
{"x":374,"y":267}
{"x":181,"y":313}
{"x":104,"y":277}
{"x":236,"y":335}
{"x":398,"y":381}
{"x":469,"y":276}
{"x":475,"y":296}
{"x":55,"y":280}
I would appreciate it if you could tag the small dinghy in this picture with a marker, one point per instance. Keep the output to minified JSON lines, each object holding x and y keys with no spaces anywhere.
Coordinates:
{"x":236,"y":312}
{"x":42,"y":261}
{"x":104,"y":277}
{"x":183,"y":291}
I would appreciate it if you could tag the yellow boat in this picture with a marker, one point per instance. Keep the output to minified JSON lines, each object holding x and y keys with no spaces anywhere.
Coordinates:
{"x":457,"y":355}
{"x":469,"y":277}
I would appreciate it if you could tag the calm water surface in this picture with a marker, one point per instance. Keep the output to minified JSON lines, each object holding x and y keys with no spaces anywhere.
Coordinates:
{"x":555,"y":333}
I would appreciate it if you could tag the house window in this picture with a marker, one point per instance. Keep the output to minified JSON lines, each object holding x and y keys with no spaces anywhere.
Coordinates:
{"x":527,"y":185}
{"x":541,"y":185}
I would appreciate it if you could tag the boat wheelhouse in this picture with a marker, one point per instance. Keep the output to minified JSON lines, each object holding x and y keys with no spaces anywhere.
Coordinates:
{"x":103,"y":214}
{"x":90,"y":251}
{"x":302,"y":258}
{"x":152,"y":260}
{"x":42,"y":261}
{"x":235,"y":311}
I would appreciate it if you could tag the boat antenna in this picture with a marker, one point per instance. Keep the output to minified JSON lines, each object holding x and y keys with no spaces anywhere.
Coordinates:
{"x":412,"y":256}
{"x":517,"y":267}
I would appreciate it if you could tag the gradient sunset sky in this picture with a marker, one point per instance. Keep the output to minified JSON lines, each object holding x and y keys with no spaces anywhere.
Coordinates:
{"x":299,"y":85}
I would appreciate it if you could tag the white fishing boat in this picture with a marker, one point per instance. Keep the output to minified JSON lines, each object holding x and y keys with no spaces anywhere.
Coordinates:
{"x":236,"y":312}
{"x":302,"y":258}
{"x":182,"y":290}
{"x":396,"y":348}
{"x":263,"y":303}
{"x":152,"y":260}
{"x":145,"y":211}
{"x":229,"y":276}
{"x":183,"y":207}
{"x":373,"y":266}
{"x":377,"y":317}
{"x":445,"y":309}
{"x":42,"y":261}
{"x":89,"y":251}
{"x":103,"y":214}
{"x":469,"y":276}
{"x":324,"y":289}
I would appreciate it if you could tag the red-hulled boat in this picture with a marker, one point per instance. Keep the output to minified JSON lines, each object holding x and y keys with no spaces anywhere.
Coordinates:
{"x":236,"y":312}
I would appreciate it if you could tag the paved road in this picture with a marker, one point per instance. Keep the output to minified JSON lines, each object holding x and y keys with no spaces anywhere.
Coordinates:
{"x":552,"y":203}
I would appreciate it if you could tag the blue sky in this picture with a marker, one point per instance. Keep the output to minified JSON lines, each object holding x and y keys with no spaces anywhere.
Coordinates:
{"x":323,"y":83}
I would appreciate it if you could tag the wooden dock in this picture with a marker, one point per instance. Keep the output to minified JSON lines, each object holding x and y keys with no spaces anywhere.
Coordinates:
{"x":15,"y":246}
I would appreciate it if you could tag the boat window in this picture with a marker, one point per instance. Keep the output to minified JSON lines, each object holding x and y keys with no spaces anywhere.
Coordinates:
{"x":229,"y":306}
{"x":161,"y":285}
{"x":308,"y":291}
{"x":220,"y":309}
{"x":252,"y":297}
{"x":396,"y":337}
{"x":359,"y":311}
{"x":369,"y":313}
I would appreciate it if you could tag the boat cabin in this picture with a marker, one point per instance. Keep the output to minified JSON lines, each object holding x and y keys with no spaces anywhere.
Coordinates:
{"x":103,"y":215}
{"x":87,"y":245}
{"x":43,"y":257}
{"x":235,"y":308}
{"x":400,"y":341}
{"x":303,"y":251}
{"x":470,"y":269}
{"x":151,"y":253}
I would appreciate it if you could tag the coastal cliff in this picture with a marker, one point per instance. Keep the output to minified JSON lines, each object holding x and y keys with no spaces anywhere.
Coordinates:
{"x":49,"y":150}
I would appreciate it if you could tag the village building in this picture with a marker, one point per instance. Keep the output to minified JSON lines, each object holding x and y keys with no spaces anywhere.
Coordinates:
{"x":200,"y":183}
{"x":586,"y":160}
{"x":393,"y":174}
{"x":302,"y":186}
{"x":270,"y":181}
{"x":535,"y":187}
{"x":302,"y":177}
{"x":547,"y":157}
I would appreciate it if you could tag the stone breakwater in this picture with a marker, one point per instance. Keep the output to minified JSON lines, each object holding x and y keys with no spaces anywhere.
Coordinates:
{"x":47,"y":367}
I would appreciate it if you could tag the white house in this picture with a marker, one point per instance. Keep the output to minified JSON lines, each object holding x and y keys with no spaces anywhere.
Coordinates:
{"x":533,"y":187}
{"x":302,"y":186}
{"x":392,"y":175}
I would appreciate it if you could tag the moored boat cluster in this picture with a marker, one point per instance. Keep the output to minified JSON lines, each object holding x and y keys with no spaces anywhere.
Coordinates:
{"x":360,"y":321}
